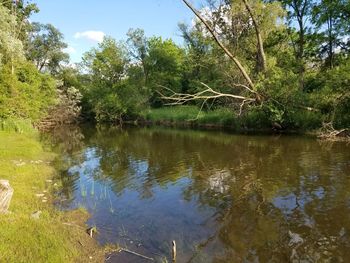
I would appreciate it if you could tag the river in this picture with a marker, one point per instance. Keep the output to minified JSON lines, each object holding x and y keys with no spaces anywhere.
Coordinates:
{"x":222,"y":197}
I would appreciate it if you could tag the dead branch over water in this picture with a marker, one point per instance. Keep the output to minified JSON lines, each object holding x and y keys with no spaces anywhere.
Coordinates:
{"x":208,"y":93}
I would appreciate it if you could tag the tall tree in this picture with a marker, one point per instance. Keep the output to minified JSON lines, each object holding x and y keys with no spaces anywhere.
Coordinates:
{"x":138,"y":49}
{"x":107,"y":63}
{"x":22,"y":10}
{"x":233,"y":57}
{"x":261,"y":58}
{"x":298,"y":15}
{"x":328,"y":15}
{"x":109,"y":92}
{"x":46,"y":48}
{"x":11,"y":47}
{"x":165,"y":65}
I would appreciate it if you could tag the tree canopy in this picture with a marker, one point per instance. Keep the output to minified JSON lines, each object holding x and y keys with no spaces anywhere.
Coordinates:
{"x":284,"y":63}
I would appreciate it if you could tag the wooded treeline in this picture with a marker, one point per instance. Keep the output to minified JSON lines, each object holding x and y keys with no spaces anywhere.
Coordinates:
{"x":272,"y":63}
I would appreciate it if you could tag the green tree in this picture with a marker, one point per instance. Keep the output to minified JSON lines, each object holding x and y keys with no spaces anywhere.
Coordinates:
{"x":110,"y":96}
{"x":298,"y":14}
{"x":45,"y":48}
{"x":27,"y":93}
{"x":137,"y":45}
{"x":203,"y":61}
{"x":11,"y":48}
{"x":155,"y":63}
{"x":22,"y":10}
{"x":107,"y":63}
{"x":330,"y":17}
{"x":165,"y":66}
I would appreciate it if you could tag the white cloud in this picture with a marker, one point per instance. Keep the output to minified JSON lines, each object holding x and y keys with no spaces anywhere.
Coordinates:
{"x":70,"y":50}
{"x":91,"y":35}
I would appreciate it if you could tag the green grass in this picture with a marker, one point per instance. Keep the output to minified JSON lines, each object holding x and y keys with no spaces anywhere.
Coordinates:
{"x":255,"y":119}
{"x":192,"y":114}
{"x":178,"y":113}
{"x":17,"y":125}
{"x":23,"y":239}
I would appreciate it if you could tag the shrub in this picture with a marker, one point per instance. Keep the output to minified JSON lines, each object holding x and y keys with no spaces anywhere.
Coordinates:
{"x":26,"y":94}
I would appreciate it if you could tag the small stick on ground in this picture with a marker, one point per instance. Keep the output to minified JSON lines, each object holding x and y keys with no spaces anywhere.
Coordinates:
{"x":174,"y":251}
{"x":136,"y":254}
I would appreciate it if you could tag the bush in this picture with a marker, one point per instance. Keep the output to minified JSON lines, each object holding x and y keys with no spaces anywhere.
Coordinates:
{"x":304,"y":120}
{"x":332,"y":95}
{"x":255,"y":118}
{"x":220,"y":116}
{"x":26,"y":94}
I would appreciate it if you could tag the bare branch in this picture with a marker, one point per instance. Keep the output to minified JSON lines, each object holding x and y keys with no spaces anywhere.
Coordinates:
{"x":200,"y":110}
{"x":244,"y":102}
{"x":181,"y":98}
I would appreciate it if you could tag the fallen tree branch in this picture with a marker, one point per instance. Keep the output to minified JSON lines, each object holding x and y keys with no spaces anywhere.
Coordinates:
{"x":136,"y":254}
{"x":208,"y":93}
{"x":244,"y":102}
{"x":328,"y":132}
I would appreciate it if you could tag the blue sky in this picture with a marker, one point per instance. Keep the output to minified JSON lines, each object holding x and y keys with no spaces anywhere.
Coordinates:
{"x":83,"y":22}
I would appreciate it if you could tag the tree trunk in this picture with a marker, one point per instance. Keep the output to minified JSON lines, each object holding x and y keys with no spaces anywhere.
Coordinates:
{"x":300,"y":54}
{"x":228,"y":53}
{"x":261,"y":58}
{"x":6,"y":192}
{"x":330,"y":41}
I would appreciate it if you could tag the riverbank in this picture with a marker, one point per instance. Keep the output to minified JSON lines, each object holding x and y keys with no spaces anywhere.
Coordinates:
{"x":33,"y":230}
{"x":253,"y":122}
{"x":223,"y":118}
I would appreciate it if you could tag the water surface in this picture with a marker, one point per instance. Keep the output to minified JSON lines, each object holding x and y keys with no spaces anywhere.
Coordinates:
{"x":221,"y":197}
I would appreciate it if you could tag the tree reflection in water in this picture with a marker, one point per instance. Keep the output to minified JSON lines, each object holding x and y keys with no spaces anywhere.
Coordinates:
{"x":222,"y":197}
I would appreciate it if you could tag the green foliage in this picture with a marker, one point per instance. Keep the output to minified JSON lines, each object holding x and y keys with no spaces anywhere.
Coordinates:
{"x":203,"y":62}
{"x":307,"y":67}
{"x":123,"y":80}
{"x":25,"y":94}
{"x":192,"y":115}
{"x":22,"y":10}
{"x":331,"y":94}
{"x":110,"y":95}
{"x":303,"y":120}
{"x":256,"y":119}
{"x":331,"y":18}
{"x":179,"y":113}
{"x":17,"y":125}
{"x":11,"y":48}
{"x":157,"y":63}
{"x":45,"y":48}
{"x":165,"y":61}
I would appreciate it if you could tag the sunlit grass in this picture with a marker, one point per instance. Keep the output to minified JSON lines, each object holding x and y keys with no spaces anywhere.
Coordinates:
{"x":180,"y":113}
{"x":256,"y":119}
{"x":22,"y":238}
{"x":192,"y":114}
{"x":17,"y":125}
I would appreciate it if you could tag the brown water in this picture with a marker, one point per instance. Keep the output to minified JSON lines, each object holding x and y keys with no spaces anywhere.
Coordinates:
{"x":221,"y":197}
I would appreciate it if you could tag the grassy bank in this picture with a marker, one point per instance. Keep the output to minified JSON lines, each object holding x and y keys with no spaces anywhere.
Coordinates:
{"x":53,"y":237}
{"x":254,"y":120}
{"x":192,"y":116}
